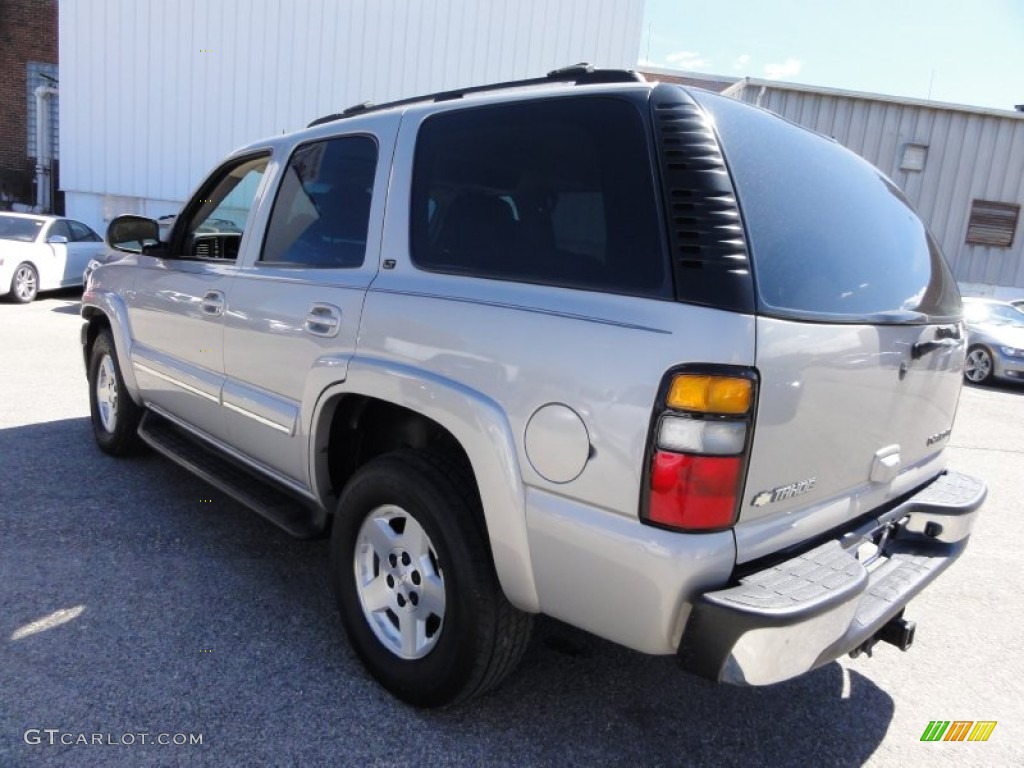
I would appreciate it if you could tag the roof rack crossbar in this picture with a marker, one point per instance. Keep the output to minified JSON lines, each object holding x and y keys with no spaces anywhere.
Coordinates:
{"x":578,"y":74}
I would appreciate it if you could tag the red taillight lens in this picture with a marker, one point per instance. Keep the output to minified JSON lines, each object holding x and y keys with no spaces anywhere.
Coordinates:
{"x":699,"y":443}
{"x":693,"y":492}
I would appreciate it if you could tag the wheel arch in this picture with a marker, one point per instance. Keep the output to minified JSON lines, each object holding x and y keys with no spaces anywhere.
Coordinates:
{"x":106,"y":310}
{"x":383,"y":405}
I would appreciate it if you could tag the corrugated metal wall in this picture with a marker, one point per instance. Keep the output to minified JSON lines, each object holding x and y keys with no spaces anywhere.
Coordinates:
{"x":971,"y":155}
{"x":155,"y":93}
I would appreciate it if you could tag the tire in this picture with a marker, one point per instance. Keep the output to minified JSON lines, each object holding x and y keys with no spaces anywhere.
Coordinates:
{"x":409,"y":551}
{"x":115,"y":416}
{"x":24,"y":283}
{"x":978,"y":365}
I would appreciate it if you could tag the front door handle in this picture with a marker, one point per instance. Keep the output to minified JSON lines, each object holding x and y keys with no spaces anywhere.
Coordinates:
{"x":212,"y":303}
{"x":323,"y":320}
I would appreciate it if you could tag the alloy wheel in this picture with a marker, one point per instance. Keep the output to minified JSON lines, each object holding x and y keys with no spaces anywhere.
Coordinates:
{"x":25,"y":283}
{"x":106,"y":393}
{"x":399,"y":582}
{"x":978,"y":365}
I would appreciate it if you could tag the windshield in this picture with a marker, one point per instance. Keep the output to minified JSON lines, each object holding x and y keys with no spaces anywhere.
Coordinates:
{"x":17,"y":228}
{"x":995,"y":314}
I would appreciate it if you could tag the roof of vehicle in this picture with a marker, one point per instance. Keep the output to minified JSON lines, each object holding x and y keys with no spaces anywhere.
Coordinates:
{"x":559,"y":82}
{"x":577,"y":74}
{"x":32,"y":216}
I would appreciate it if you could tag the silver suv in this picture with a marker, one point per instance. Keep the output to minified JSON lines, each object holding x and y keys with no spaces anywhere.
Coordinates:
{"x":632,"y":355}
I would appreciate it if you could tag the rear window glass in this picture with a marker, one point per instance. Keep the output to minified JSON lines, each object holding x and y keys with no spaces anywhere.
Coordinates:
{"x":558,"y":192}
{"x":830,"y":236}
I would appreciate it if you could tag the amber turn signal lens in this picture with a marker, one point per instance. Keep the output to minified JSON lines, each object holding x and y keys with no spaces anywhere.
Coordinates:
{"x":710,"y":394}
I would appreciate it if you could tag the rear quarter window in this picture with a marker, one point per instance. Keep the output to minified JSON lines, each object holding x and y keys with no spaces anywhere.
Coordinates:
{"x":556,"y":192}
{"x":830,"y":236}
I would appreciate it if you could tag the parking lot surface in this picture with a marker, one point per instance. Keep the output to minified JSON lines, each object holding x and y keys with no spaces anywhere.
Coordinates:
{"x":135,"y":599}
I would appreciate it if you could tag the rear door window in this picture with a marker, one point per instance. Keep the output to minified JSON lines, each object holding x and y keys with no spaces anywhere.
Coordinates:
{"x":556,"y":192}
{"x":322,"y":212}
{"x":832,"y":238}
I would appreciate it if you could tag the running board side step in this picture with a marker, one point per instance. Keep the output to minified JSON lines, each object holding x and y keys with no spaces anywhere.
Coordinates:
{"x":278,"y":505}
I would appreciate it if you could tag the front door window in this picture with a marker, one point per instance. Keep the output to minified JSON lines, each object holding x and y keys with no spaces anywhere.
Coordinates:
{"x":217,"y":219}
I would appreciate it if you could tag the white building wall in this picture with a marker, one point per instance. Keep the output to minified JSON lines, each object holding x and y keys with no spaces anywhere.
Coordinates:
{"x":155,"y":93}
{"x":972,"y":154}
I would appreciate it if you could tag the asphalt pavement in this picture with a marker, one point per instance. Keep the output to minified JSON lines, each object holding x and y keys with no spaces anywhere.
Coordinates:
{"x":146,"y":619}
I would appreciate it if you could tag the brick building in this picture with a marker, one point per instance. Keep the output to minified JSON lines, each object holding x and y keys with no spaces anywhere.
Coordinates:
{"x":28,"y":59}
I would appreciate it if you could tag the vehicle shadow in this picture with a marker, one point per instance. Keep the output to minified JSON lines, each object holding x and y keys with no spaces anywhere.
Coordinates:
{"x":67,"y":309}
{"x":998,"y":385}
{"x":63,"y":295}
{"x":625,"y":708}
{"x":137,"y":598}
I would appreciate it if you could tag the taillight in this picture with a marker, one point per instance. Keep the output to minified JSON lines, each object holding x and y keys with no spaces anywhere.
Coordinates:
{"x":700,"y":436}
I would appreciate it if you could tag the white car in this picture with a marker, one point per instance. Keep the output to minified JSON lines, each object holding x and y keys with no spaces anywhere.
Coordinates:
{"x":43,"y":253}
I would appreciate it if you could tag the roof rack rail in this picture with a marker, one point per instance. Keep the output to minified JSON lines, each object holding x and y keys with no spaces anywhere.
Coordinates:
{"x":579,"y":74}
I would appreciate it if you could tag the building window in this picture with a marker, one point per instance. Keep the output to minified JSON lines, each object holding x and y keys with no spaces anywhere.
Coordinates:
{"x":992,"y":223}
{"x":40,"y":73}
{"x":914,"y":156}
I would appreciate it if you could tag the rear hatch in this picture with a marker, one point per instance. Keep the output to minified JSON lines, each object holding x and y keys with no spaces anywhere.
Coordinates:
{"x":860,"y":345}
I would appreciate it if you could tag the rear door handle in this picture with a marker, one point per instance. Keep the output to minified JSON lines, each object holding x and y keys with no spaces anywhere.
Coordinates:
{"x":212,"y":303}
{"x":922,"y":348}
{"x":323,"y":320}
{"x":945,"y":336}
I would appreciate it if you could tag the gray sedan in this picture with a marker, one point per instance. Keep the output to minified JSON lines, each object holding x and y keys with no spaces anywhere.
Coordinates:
{"x":995,"y":340}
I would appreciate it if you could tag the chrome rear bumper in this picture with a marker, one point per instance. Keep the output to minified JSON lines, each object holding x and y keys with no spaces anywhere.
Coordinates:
{"x":790,"y":617}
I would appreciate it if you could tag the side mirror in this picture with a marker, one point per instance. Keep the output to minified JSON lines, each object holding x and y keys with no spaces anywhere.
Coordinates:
{"x":57,"y":240}
{"x":132,"y":234}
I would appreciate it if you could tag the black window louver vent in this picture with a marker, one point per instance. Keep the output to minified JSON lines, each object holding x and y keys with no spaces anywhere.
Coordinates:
{"x":709,"y":247}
